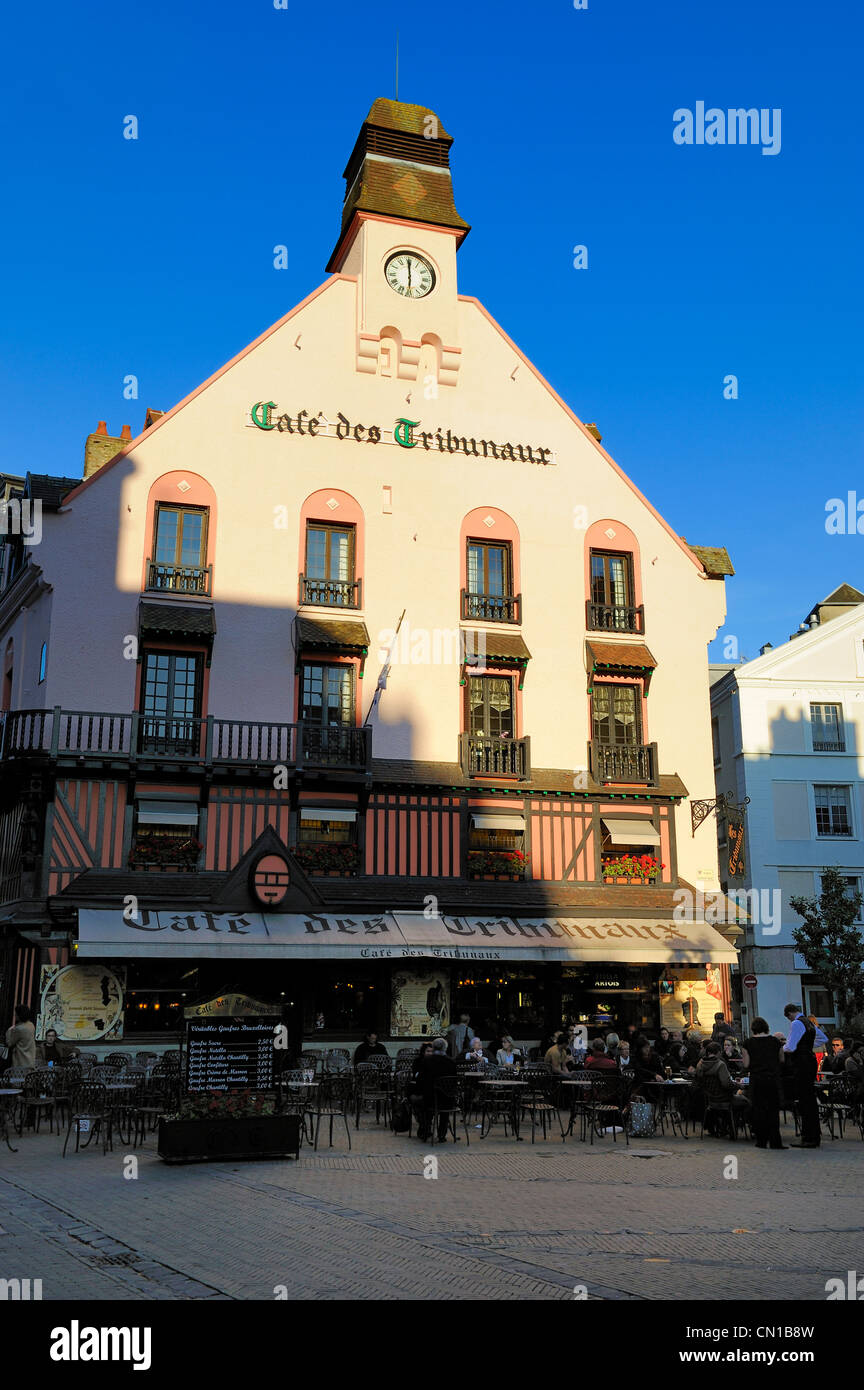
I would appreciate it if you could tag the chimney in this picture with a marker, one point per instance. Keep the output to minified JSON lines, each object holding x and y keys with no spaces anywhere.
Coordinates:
{"x":768,"y":647}
{"x":592,"y":428}
{"x":101,"y":446}
{"x":126,"y":433}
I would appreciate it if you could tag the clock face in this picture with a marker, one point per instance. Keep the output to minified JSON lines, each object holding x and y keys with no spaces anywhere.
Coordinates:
{"x":409,"y":274}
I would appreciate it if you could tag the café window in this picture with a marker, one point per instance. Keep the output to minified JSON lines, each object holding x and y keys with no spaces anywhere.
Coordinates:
{"x":327,"y":840}
{"x":343,"y":1000}
{"x":499,"y":1000}
{"x":156,"y":994}
{"x":833,"y":811}
{"x":826,"y":722}
{"x":179,"y":562}
{"x":329,"y":575}
{"x":165,"y":835}
{"x":617,"y":712}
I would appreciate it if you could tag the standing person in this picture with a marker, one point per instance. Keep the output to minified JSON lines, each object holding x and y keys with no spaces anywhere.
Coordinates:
{"x":721,"y":1029}
{"x":761,"y":1057}
{"x":21,"y":1039}
{"x":799,"y":1047}
{"x":458,"y":1036}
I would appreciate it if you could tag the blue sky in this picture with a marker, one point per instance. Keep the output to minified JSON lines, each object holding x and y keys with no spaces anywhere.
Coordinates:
{"x":154,"y":257}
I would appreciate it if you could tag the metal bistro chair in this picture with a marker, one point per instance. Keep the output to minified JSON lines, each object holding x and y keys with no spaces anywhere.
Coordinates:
{"x":117,"y":1059}
{"x":580,"y":1104}
{"x":405,"y":1053}
{"x":538,"y":1099}
{"x":298,"y":1098}
{"x":446,"y":1102}
{"x":372,"y":1086}
{"x":332,"y":1101}
{"x":37,"y":1099}
{"x":610,"y":1095}
{"x":90,"y":1115}
{"x":499,"y":1104}
{"x":154,"y":1098}
{"x":838,"y":1105}
{"x":719,"y":1103}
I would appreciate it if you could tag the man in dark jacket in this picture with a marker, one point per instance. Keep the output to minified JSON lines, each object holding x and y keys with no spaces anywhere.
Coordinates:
{"x":721,"y":1029}
{"x":429,"y":1070}
{"x":370,"y":1047}
{"x":835,"y":1060}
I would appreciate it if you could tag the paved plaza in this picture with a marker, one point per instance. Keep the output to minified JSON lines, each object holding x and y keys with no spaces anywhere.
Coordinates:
{"x":501,"y":1220}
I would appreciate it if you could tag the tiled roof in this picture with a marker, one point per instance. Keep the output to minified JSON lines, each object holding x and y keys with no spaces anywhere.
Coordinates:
{"x":627,"y":656}
{"x":504,"y":646}
{"x":177,"y":619}
{"x":49,"y":490}
{"x":401,"y":115}
{"x":399,"y":190}
{"x":399,"y":772}
{"x":714,"y":558}
{"x":332,"y":632}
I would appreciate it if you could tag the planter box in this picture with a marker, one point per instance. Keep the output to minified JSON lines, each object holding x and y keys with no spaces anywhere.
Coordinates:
{"x":197,"y":1141}
{"x":607,"y":878}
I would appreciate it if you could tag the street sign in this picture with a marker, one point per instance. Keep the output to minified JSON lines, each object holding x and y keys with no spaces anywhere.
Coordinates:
{"x":749,"y":981}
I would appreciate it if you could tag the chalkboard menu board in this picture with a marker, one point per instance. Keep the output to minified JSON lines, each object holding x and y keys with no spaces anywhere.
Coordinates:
{"x":227,"y":1054}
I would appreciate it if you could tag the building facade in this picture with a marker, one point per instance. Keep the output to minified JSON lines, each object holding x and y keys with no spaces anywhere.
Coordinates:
{"x":372,"y":685}
{"x":788,"y":732}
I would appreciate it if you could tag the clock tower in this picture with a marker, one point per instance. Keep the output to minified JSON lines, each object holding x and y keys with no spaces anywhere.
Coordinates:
{"x":400,"y":234}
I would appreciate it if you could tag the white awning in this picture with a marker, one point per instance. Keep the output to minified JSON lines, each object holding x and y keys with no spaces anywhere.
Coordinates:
{"x":638,"y":831}
{"x":167,"y":813}
{"x":492,"y":822}
{"x":397,"y":935}
{"x":326,"y":813}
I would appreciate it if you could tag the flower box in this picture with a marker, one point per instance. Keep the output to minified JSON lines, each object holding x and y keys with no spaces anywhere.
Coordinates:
{"x":631,"y":868}
{"x":497,"y":864}
{"x":223,"y":1138}
{"x":330,"y":861}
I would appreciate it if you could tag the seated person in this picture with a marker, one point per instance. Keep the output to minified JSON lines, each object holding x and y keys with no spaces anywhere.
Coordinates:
{"x":622,"y":1055}
{"x":507,"y":1055}
{"x":647,"y":1064}
{"x":598,"y":1060}
{"x":732,"y":1056}
{"x":558,"y":1059}
{"x":476,"y":1054}
{"x":431,"y":1068}
{"x":663,"y":1045}
{"x":51,"y":1050}
{"x":834,"y":1062}
{"x":370,"y":1047}
{"x":714,"y":1080}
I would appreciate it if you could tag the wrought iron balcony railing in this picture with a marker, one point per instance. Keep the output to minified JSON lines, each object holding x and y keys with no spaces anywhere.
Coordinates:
{"x":634,"y":762}
{"x":492,"y":608}
{"x":483,"y":756}
{"x":614,"y":617}
{"x":63,"y":734}
{"x":179,"y":579}
{"x":331,"y":593}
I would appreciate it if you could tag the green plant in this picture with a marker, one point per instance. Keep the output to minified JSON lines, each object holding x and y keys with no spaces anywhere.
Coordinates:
{"x":223,"y":1105}
{"x":830,"y":942}
{"x":325,"y":858}
{"x":643,"y":866}
{"x":497,"y":861}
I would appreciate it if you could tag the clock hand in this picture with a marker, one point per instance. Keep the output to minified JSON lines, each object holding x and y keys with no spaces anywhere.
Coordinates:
{"x":409,"y":275}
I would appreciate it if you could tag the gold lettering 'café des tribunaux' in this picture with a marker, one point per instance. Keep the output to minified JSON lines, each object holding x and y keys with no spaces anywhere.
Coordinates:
{"x":362,"y":684}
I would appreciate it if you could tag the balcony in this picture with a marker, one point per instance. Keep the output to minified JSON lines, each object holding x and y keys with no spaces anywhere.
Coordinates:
{"x":331,"y":593}
{"x":77,"y":737}
{"x":179,"y":579}
{"x":614,"y":617}
{"x":492,"y":608}
{"x":483,"y":756}
{"x":636,"y":762}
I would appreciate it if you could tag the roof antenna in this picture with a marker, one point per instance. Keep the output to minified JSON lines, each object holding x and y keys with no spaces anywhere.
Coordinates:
{"x":397,"y":64}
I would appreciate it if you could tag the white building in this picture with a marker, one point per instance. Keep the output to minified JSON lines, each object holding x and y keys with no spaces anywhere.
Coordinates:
{"x":788,"y":733}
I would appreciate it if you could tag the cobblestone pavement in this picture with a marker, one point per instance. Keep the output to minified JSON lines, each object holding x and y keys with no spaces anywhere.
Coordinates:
{"x":501,"y":1220}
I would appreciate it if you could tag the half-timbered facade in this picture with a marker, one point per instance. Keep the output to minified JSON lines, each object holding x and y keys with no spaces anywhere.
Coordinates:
{"x":364,"y":676}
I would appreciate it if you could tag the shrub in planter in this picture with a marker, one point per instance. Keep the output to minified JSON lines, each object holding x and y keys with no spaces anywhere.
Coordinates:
{"x":234,"y":1124}
{"x":639,"y":866}
{"x":510,"y":862}
{"x":328,"y":859}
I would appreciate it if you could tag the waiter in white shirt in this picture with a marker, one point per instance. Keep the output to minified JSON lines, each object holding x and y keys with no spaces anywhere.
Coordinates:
{"x":799,"y":1047}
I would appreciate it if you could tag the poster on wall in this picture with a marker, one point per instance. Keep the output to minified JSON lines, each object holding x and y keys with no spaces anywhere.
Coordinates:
{"x":84,"y":1003}
{"x":695,"y":997}
{"x":419,"y":1003}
